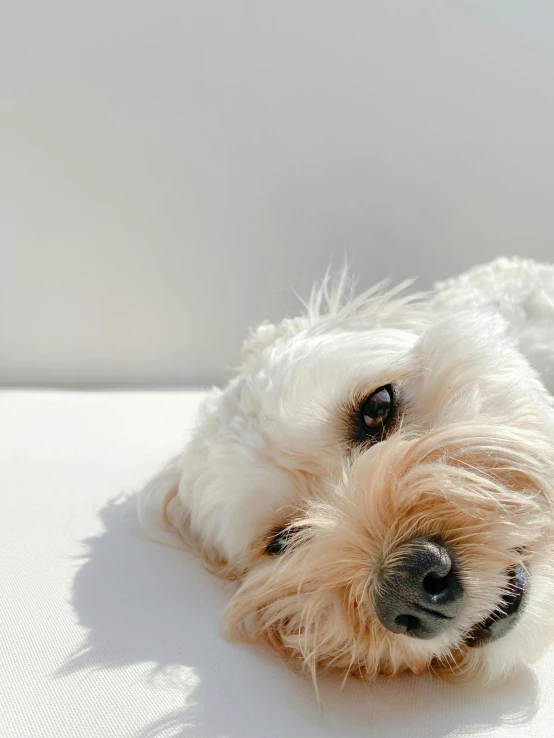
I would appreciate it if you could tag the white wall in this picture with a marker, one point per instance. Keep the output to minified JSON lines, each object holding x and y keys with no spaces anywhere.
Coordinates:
{"x":169,"y":170}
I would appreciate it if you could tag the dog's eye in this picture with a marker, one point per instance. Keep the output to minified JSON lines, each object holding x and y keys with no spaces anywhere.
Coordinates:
{"x":280,"y":540}
{"x":375,"y":411}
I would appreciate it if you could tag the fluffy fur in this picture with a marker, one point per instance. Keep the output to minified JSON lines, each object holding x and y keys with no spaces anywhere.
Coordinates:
{"x":470,"y":460}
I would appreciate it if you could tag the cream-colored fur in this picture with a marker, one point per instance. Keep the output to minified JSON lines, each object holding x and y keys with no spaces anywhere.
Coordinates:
{"x":469,"y":461}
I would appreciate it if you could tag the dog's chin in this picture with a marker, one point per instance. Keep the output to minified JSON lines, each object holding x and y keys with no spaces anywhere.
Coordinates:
{"x":504,"y":617}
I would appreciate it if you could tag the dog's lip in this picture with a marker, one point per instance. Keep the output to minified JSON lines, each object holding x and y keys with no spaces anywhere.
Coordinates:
{"x":503,"y":618}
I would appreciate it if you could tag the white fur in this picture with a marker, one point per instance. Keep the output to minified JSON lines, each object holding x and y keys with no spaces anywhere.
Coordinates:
{"x":477,"y":353}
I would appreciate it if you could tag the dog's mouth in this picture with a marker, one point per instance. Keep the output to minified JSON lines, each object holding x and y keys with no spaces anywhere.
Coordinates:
{"x":503,"y":618}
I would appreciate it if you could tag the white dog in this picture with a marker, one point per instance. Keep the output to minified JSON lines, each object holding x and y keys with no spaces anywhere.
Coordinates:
{"x":379,"y":478}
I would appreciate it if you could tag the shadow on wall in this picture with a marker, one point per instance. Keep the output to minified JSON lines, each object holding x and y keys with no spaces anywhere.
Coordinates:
{"x":143,"y":603}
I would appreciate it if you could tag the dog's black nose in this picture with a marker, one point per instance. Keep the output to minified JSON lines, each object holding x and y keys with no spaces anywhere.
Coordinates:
{"x":419,"y":593}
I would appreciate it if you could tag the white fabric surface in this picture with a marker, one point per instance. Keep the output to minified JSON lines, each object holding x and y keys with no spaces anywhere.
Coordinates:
{"x":104,"y":633}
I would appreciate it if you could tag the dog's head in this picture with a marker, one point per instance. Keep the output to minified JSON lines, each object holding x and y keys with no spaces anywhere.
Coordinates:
{"x":380,"y":482}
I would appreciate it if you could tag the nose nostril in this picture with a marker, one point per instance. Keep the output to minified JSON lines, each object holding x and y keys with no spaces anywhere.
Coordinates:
{"x":435,"y":585}
{"x":407,"y":622}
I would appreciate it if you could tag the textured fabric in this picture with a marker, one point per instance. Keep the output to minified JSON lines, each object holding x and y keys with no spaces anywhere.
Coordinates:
{"x":104,"y":633}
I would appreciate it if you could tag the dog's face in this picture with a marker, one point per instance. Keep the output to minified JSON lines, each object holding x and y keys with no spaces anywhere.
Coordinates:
{"x":380,"y":484}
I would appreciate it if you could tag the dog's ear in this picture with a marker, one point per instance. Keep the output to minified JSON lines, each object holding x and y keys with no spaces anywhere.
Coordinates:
{"x":155,"y":504}
{"x":165,"y":519}
{"x":265,"y":335}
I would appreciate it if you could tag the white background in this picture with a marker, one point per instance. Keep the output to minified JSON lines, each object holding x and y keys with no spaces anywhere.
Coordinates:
{"x":171,"y":170}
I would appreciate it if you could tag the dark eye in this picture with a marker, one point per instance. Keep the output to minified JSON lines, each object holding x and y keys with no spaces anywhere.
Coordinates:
{"x":375,"y":412}
{"x":281,"y":539}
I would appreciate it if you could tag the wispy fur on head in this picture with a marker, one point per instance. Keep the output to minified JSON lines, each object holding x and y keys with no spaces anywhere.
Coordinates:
{"x":468,"y":460}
